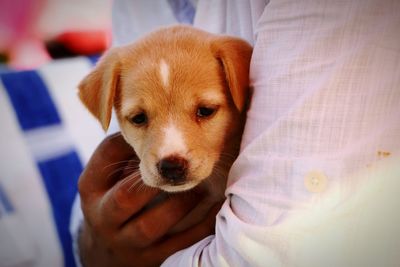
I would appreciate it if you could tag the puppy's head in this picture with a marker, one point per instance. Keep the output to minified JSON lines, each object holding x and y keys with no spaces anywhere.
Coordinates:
{"x":180,"y":96}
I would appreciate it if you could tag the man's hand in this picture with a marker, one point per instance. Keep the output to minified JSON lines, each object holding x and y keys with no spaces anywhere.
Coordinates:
{"x":119,"y":228}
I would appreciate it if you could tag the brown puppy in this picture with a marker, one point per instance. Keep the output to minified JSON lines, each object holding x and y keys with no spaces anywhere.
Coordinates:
{"x":180,"y":95}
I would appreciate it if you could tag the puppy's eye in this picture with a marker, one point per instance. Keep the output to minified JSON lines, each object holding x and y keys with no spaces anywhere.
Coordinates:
{"x":204,"y":112}
{"x":139,"y":119}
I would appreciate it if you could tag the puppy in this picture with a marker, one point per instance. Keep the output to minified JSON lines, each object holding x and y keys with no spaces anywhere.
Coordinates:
{"x":180,"y":96}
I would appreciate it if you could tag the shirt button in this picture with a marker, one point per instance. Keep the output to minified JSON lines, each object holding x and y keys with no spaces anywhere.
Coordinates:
{"x":315,"y":182}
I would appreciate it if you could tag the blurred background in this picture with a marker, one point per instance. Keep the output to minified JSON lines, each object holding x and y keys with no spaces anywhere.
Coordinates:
{"x":33,"y":32}
{"x":46,"y":134}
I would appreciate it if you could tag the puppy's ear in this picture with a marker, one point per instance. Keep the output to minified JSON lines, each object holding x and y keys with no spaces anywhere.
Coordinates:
{"x":97,"y":89}
{"x":235,"y":55}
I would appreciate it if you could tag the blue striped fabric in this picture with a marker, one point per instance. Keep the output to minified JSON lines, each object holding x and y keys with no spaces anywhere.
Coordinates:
{"x":30,"y":99}
{"x":93,"y":59}
{"x":5,"y":205}
{"x":34,"y":108}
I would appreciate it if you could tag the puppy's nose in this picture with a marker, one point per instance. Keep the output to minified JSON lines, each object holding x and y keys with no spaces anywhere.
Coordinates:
{"x":173,"y":169}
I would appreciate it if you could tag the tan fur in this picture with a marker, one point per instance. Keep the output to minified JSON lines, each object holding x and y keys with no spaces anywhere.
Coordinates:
{"x":203,"y":69}
{"x":97,"y":90}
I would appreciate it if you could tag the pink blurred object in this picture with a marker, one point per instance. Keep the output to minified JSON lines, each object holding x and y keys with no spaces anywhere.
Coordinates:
{"x":18,"y":36}
{"x":28,"y":54}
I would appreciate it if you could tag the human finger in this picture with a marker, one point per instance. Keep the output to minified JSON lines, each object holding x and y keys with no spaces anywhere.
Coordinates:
{"x":126,"y":198}
{"x":104,"y":164}
{"x":189,"y":237}
{"x":154,"y":223}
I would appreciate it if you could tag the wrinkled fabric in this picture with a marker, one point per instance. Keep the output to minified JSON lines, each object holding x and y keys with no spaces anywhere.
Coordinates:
{"x":317,"y":179}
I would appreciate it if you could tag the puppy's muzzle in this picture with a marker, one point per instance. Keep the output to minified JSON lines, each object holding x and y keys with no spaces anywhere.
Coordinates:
{"x":173,"y":169}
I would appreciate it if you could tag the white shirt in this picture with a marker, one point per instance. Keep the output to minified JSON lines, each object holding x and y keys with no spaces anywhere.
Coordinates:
{"x":318,"y":177}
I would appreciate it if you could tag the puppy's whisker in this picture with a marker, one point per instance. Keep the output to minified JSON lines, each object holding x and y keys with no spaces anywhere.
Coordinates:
{"x":117,"y":170}
{"x":220,"y":173}
{"x":225,"y":164}
{"x":116,"y":163}
{"x":224,"y":153}
{"x":130,"y":178}
{"x":133,"y":178}
{"x":131,"y":168}
{"x":120,"y":162}
{"x":131,"y":175}
{"x":137,"y":184}
{"x":230,"y":155}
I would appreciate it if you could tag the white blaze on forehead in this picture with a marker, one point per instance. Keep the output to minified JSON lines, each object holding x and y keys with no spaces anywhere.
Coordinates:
{"x":173,"y":142}
{"x":164,"y":72}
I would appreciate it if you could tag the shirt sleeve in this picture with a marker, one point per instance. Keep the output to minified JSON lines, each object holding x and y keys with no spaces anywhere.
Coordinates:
{"x":315,"y":182}
{"x":132,"y":19}
{"x":237,"y":18}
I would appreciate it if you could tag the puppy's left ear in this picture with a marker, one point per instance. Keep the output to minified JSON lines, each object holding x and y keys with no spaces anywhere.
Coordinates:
{"x":97,"y":89}
{"x":235,"y":55}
